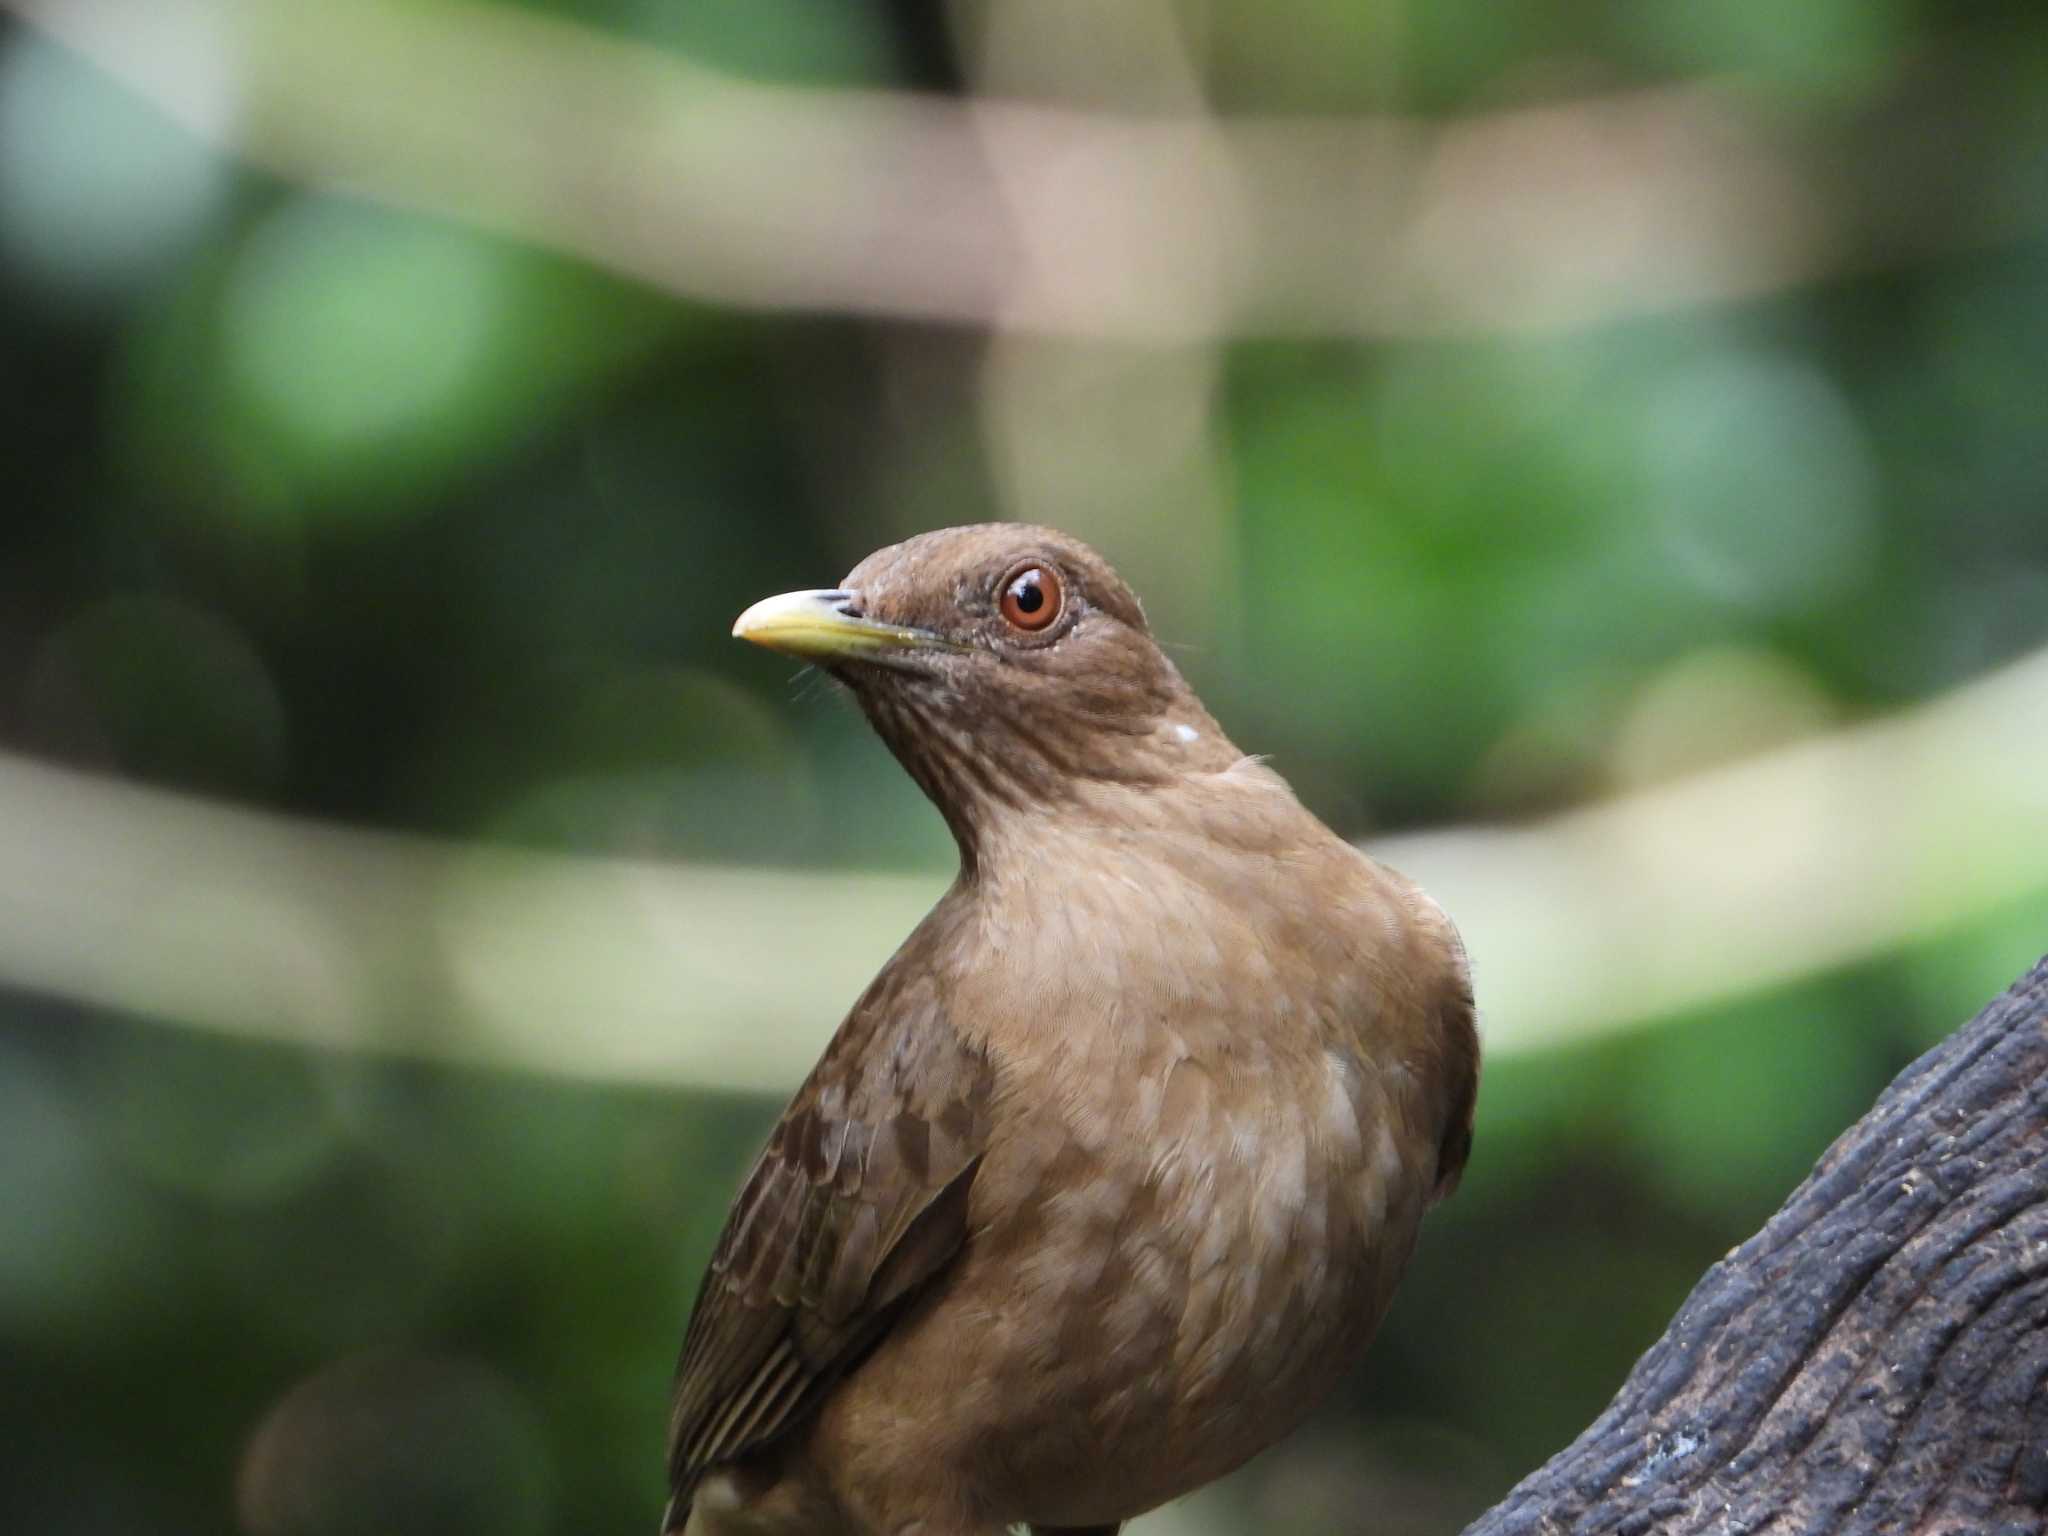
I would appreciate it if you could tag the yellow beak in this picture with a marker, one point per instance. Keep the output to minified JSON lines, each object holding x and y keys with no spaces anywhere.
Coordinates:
{"x":821,"y":626}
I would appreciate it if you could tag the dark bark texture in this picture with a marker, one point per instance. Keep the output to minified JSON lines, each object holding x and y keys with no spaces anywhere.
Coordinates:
{"x":1876,"y":1359}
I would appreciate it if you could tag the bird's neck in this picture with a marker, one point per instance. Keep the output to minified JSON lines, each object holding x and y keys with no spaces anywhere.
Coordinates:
{"x":997,"y":776}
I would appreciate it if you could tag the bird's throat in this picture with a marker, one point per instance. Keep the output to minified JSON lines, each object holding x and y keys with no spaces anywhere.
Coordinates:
{"x":986,"y":763}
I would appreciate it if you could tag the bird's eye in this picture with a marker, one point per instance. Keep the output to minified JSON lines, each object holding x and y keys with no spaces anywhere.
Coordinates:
{"x":1031,"y":598}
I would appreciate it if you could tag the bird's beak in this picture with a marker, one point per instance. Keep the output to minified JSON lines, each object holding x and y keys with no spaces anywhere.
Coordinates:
{"x":828,"y":626}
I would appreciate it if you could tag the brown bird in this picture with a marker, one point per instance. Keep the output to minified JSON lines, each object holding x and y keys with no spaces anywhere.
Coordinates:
{"x":1108,"y":1177}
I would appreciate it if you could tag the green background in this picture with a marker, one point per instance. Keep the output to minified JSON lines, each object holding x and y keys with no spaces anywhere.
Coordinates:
{"x":368,"y":516}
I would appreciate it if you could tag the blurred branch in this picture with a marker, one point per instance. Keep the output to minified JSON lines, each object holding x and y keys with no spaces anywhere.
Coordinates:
{"x":1872,"y":1361}
{"x":227,"y":919}
{"x":1000,"y":214}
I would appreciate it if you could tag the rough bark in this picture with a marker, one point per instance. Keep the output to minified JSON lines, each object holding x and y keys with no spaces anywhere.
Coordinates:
{"x":1876,"y":1358}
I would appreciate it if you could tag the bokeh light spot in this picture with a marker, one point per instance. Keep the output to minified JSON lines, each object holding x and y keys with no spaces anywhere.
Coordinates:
{"x":1761,"y":481}
{"x":158,"y":689}
{"x":1716,"y":706}
{"x":65,"y":1225}
{"x":223,"y":1122}
{"x":351,"y":331}
{"x":98,"y":194}
{"x":1817,"y":47}
{"x":399,"y":1445}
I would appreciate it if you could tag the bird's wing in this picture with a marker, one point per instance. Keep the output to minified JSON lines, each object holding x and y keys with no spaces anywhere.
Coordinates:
{"x":859,"y":1199}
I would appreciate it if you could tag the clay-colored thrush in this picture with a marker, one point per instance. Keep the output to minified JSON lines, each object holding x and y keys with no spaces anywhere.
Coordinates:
{"x":1109,"y":1175}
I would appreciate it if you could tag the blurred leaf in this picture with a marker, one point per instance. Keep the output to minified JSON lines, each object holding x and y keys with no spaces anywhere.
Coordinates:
{"x":1823,"y":46}
{"x":352,"y":360}
{"x":1730,"y":1112}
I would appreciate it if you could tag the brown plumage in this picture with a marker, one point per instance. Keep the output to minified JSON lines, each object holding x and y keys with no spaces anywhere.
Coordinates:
{"x":1110,"y":1174}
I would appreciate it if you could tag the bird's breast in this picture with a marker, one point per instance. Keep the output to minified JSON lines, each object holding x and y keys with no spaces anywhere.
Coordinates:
{"x":1185,"y":1249}
{"x":1206,"y":1175}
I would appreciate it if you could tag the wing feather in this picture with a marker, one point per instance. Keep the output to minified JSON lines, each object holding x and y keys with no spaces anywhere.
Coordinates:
{"x":859,"y":1200}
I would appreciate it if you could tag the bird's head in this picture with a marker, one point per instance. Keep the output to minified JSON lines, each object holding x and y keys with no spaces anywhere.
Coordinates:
{"x":1007,"y":666}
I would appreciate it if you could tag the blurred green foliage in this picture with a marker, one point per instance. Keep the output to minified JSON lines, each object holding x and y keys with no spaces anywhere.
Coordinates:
{"x":349,"y":512}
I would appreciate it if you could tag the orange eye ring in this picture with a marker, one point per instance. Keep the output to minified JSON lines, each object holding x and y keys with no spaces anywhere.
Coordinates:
{"x":1032,"y":598}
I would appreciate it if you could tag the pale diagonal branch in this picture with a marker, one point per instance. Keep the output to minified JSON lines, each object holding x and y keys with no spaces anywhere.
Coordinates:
{"x":196,"y":913}
{"x":996,"y":214}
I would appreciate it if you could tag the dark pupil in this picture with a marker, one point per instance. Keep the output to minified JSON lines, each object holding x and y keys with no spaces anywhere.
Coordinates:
{"x":1029,"y":594}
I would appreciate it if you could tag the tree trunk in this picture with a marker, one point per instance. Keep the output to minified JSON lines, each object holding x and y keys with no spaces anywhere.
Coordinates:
{"x":1875,"y":1360}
